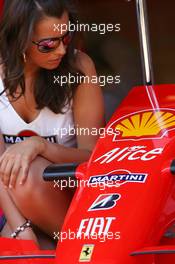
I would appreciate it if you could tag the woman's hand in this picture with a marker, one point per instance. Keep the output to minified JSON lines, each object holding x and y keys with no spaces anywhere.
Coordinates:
{"x":17,"y":158}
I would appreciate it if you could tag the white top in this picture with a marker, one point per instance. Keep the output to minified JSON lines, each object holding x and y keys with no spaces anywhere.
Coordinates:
{"x":58,"y":128}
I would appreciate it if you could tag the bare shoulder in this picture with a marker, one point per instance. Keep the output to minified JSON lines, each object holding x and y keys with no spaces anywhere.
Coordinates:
{"x":88,"y":103}
{"x":84,"y":63}
{"x":86,"y":89}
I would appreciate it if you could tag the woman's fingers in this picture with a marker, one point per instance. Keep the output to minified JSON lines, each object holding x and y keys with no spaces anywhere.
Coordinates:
{"x":14,"y":172}
{"x":10,"y":168}
{"x":6,"y":168}
{"x":25,"y":170}
{"x":15,"y":158}
{"x":2,"y":167}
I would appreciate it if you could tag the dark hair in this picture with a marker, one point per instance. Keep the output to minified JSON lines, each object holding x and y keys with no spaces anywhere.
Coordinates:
{"x":16,"y":28}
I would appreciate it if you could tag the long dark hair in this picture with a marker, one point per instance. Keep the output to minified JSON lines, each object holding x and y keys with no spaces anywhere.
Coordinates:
{"x":16,"y":28}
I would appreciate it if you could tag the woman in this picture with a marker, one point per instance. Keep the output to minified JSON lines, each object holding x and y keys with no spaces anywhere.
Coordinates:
{"x":34,"y":107}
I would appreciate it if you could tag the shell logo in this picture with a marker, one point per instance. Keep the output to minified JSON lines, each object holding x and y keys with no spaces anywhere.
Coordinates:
{"x":145,"y":124}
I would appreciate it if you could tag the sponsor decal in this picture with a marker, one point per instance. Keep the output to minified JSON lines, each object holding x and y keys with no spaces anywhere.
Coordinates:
{"x":105,"y":202}
{"x":143,"y":125}
{"x":99,"y":225}
{"x":12,"y":139}
{"x":86,"y":253}
{"x":129,"y":153}
{"x":118,"y":178}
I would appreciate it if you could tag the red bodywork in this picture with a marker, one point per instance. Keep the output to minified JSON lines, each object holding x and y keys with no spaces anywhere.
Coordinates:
{"x":126,"y":196}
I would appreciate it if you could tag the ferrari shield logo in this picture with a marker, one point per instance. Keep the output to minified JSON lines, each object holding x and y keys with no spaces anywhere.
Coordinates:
{"x":86,"y":253}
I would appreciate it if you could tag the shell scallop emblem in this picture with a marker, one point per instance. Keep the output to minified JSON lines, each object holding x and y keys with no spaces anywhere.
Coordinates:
{"x":144,"y":124}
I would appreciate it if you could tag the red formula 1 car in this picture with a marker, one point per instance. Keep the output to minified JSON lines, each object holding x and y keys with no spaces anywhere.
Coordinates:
{"x":125,"y":197}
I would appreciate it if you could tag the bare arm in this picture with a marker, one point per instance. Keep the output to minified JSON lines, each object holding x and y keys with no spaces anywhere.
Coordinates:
{"x":60,"y":154}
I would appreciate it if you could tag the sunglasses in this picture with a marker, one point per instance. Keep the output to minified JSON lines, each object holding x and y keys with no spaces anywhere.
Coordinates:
{"x":50,"y":44}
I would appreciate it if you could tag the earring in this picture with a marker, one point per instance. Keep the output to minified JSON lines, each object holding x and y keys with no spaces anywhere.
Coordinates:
{"x":24,"y":57}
